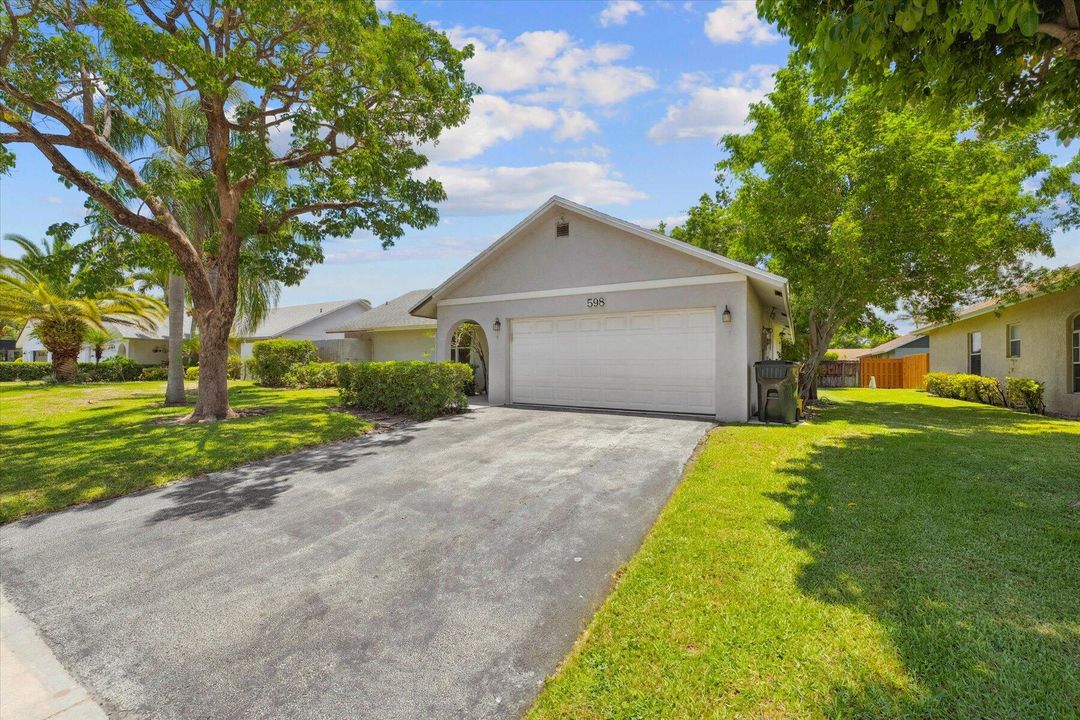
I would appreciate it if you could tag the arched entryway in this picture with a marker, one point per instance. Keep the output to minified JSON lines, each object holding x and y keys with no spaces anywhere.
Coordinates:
{"x":469,"y":345}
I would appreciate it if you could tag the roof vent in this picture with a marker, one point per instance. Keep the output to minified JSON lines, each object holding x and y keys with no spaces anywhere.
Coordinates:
{"x":562,"y":229}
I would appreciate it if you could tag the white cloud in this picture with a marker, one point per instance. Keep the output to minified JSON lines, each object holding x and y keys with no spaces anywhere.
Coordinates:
{"x":54,"y":200}
{"x":365,"y":249}
{"x":669,"y":222}
{"x":710,"y":112}
{"x":499,"y":190}
{"x":385,"y":5}
{"x":737,"y":21}
{"x":574,"y":125}
{"x":552,"y":67}
{"x":618,"y":12}
{"x":492,"y":120}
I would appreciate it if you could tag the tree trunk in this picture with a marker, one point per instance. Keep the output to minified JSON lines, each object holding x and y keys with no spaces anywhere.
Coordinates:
{"x":65,"y":365}
{"x":213,"y":400}
{"x":174,"y":390}
{"x":820,"y":335}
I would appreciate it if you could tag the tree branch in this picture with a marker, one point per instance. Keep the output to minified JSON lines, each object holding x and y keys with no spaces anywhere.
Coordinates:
{"x":287,"y":215}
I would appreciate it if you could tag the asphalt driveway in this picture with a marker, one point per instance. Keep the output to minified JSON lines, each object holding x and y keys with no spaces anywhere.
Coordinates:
{"x":439,"y":571}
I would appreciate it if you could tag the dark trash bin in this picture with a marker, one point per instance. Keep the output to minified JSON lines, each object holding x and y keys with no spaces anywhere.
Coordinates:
{"x":778,"y":391}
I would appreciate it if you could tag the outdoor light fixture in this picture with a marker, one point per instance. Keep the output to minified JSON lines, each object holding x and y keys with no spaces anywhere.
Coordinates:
{"x":497,"y":325}
{"x":726,"y":315}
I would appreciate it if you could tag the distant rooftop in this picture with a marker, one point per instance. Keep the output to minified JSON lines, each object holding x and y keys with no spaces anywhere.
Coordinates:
{"x":392,"y":314}
{"x":282,"y":319}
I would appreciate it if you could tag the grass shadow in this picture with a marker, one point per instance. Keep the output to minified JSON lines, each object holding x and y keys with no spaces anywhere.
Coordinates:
{"x":957,"y":529}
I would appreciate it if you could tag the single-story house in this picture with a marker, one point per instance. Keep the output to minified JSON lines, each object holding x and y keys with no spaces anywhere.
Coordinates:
{"x":581,"y":309}
{"x":311,"y":322}
{"x":146,"y":347}
{"x":910,"y":344}
{"x":849,"y":354}
{"x":390,"y":332}
{"x":898,"y":347}
{"x":1037,"y":337}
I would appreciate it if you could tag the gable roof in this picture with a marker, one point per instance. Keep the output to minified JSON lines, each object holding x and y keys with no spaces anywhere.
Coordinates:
{"x":423,"y":308}
{"x":126,"y":332}
{"x":391,"y":314}
{"x":849,"y":353}
{"x":1025,"y":292}
{"x":284,"y":319}
{"x":894,"y":344}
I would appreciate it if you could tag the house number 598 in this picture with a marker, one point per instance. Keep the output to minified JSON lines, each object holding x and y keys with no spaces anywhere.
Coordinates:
{"x":594,"y":302}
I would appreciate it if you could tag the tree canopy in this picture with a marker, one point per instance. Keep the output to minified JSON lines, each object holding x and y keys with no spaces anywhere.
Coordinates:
{"x":1014,"y":60}
{"x":312,"y":115}
{"x":864,"y":209}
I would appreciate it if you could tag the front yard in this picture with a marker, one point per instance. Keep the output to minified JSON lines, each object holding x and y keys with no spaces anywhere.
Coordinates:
{"x":65,"y":445}
{"x":900,"y":556}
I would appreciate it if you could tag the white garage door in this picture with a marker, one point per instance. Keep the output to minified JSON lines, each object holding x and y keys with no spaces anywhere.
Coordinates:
{"x":657,"y":361}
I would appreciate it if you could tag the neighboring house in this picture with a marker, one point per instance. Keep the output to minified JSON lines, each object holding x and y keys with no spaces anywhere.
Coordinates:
{"x":849,"y":353}
{"x":312,"y":322}
{"x":1037,"y":337}
{"x":902,"y":346}
{"x":581,"y":309}
{"x":896,"y":348}
{"x":146,"y":347}
{"x":389,"y":332}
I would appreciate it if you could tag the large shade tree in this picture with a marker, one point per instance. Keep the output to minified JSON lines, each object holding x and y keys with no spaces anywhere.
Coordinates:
{"x":1013,"y":60}
{"x":864,"y":209}
{"x":62,"y":297}
{"x":336,"y":99}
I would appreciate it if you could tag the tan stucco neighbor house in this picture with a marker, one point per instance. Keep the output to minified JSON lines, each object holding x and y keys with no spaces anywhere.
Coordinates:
{"x":581,"y":309}
{"x":1037,"y":338}
{"x":389,"y":332}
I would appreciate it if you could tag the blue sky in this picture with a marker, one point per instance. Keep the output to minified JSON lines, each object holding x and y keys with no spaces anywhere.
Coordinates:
{"x":618,"y":105}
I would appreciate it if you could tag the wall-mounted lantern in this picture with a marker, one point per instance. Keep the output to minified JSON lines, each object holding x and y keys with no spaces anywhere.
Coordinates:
{"x":726,"y":315}
{"x":496,"y":326}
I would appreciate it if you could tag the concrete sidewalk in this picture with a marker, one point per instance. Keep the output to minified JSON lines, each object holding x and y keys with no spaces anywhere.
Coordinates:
{"x":33,"y":683}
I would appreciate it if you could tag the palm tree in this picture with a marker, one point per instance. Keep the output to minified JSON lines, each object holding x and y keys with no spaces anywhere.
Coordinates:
{"x":59,"y":305}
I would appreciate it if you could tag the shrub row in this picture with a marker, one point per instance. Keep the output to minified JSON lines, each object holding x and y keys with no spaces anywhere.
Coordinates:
{"x":25,"y":371}
{"x":1021,"y":393}
{"x":416,"y":388}
{"x":312,"y":375}
{"x":114,"y":369}
{"x":234,"y":369}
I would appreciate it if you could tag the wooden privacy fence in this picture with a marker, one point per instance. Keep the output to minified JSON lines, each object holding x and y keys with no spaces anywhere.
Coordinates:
{"x":905,"y":372}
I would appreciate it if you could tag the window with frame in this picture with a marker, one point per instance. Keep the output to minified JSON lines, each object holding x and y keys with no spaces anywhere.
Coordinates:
{"x":1012,"y":341}
{"x":1076,"y":354}
{"x":975,"y":353}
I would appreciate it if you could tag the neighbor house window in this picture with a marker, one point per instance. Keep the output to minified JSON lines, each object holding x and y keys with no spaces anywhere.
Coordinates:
{"x":1076,"y":354}
{"x":975,"y":353}
{"x":1012,"y":339}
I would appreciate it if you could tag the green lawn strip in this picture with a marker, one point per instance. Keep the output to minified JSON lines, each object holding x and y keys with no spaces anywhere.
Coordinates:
{"x":899,"y":556}
{"x":66,"y":445}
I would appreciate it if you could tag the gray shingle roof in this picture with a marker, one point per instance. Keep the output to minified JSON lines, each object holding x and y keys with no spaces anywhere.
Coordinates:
{"x":283,"y":319}
{"x":392,"y":314}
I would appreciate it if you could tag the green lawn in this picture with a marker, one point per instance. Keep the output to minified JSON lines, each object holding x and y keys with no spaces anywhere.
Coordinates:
{"x":65,"y":445}
{"x":900,"y":556}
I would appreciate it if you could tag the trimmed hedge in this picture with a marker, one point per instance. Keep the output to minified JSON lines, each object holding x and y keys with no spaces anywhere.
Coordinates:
{"x":114,"y":369}
{"x":1020,"y":393}
{"x":25,"y":371}
{"x":1025,"y":393}
{"x":311,"y":375}
{"x":416,"y":388}
{"x":192,"y":373}
{"x":157,"y":372}
{"x":274,"y":358}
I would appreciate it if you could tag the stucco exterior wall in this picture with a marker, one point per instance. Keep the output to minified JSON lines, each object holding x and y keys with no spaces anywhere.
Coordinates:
{"x":141,"y":351}
{"x":732,"y":347}
{"x":1045,"y":351}
{"x":389,"y":345}
{"x":593,"y":254}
